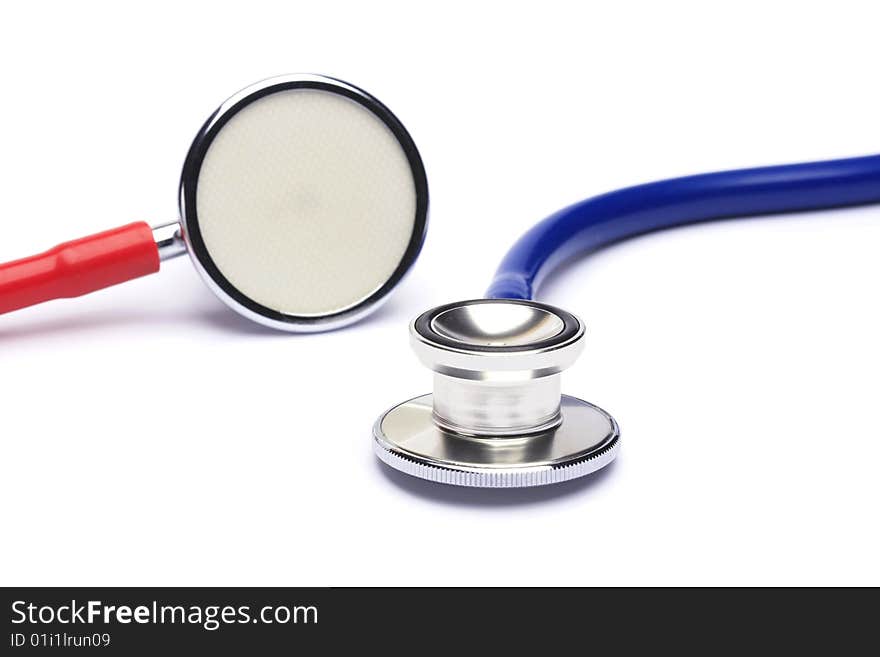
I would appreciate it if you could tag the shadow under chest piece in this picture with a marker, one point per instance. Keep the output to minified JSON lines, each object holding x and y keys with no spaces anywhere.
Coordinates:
{"x":497,"y":417}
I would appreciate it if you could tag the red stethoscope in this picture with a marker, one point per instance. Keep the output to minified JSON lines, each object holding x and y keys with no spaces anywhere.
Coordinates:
{"x":268,"y":125}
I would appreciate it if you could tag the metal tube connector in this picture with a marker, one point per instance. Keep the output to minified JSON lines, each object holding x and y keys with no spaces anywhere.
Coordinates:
{"x":169,"y":240}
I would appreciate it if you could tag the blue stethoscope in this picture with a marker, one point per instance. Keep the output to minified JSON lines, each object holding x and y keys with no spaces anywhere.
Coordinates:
{"x":496,"y":417}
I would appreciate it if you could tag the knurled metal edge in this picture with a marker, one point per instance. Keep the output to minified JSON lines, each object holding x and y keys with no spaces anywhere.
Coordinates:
{"x":496,"y":477}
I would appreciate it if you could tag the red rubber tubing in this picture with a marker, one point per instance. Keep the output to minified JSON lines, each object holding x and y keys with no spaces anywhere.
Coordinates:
{"x":78,"y":267}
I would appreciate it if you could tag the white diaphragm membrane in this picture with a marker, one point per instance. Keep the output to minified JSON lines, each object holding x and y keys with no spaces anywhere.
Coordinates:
{"x":306,"y":202}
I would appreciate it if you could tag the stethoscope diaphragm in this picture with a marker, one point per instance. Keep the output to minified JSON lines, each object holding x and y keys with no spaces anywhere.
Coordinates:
{"x":303,"y":202}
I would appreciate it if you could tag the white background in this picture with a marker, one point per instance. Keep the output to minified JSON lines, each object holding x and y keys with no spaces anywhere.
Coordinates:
{"x":150,"y":436}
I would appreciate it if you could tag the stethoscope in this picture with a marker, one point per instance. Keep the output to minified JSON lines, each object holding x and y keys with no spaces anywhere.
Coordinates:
{"x":303,"y":203}
{"x":496,"y":417}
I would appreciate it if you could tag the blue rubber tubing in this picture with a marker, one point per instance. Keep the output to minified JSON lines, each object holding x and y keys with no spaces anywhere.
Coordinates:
{"x":596,"y":222}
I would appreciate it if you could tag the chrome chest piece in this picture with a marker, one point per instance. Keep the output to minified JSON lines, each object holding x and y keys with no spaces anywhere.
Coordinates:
{"x":496,"y":418}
